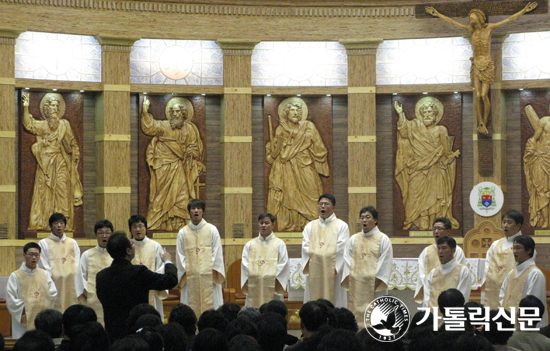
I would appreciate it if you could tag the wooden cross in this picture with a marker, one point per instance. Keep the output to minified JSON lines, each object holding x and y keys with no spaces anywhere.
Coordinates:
{"x":489,"y":7}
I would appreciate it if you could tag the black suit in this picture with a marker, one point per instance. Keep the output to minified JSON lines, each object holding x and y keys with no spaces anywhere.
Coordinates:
{"x":122,"y":286}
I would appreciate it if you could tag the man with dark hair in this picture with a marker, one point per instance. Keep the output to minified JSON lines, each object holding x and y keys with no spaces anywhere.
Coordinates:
{"x":525,"y":279}
{"x":34,"y":340}
{"x":323,"y":246}
{"x":450,"y":274}
{"x":199,"y":242}
{"x":271,"y":331}
{"x":76,"y":315}
{"x":230,"y":310}
{"x":30,"y":289}
{"x":500,"y":330}
{"x":184,"y":316}
{"x":212,"y":319}
{"x":148,"y":254}
{"x":450,"y":298}
{"x":210,"y":339}
{"x":61,"y":257}
{"x":429,"y":259}
{"x":91,"y":262}
{"x":122,"y":286}
{"x":368,"y":260}
{"x":265,"y":267}
{"x":50,"y":321}
{"x":529,"y":340}
{"x":500,"y":259}
{"x":313,"y":323}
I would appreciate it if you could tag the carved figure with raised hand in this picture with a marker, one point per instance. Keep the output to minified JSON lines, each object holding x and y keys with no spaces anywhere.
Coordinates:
{"x":174,"y":158}
{"x":482,"y":72}
{"x":536,"y":160}
{"x":297,"y":156}
{"x":425,"y":165}
{"x":57,"y":186}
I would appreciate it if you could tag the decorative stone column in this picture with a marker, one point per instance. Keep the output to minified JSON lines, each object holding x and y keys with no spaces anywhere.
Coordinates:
{"x":495,"y":141}
{"x":113,"y":132}
{"x":8,"y":175}
{"x":236,"y":139}
{"x":361,"y":126}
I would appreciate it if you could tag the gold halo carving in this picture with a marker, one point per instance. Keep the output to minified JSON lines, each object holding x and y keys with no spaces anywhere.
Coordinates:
{"x":56,"y":96}
{"x":430,"y":100}
{"x":181,"y":101}
{"x":293,"y":100}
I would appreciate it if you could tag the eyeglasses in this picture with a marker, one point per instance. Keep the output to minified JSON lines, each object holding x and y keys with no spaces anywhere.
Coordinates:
{"x":104,"y":233}
{"x":324,"y":204}
{"x":438,"y":229}
{"x":138,"y":226}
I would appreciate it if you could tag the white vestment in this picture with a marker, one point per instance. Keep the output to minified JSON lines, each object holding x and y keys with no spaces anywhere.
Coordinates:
{"x":464,"y":284}
{"x":14,"y":299}
{"x":422,"y":274}
{"x":283,"y":265}
{"x":159,"y":268}
{"x":217,"y":262}
{"x":340,"y":294}
{"x":534,"y":285}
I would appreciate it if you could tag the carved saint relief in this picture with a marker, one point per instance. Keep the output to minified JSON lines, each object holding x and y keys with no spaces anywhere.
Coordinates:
{"x":57,"y":186}
{"x":425,"y":165}
{"x":536,"y":162}
{"x":174,"y":157}
{"x":298,"y":157}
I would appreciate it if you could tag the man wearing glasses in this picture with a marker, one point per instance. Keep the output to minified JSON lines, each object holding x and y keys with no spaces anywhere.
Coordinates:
{"x":91,"y":262}
{"x":429,"y":258}
{"x":323,"y":245}
{"x":148,"y":254}
{"x":30,"y":290}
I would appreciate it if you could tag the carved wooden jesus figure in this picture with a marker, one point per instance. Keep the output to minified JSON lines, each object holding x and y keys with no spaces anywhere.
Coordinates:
{"x":482,"y":73}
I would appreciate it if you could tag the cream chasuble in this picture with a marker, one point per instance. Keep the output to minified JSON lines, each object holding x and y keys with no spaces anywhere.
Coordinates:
{"x":442,"y":282}
{"x":514,"y":289}
{"x":199,"y":272}
{"x":364,"y":261}
{"x":502,"y":262}
{"x":322,"y":260}
{"x":63,"y":265}
{"x":36,"y":295}
{"x":96,"y":262}
{"x":146,"y":256}
{"x":262,"y":272}
{"x":432,"y":261}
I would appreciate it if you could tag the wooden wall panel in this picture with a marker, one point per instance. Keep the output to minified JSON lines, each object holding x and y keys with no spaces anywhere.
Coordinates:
{"x":467,"y":155}
{"x":115,"y":208}
{"x":385,"y":163}
{"x":7,"y":257}
{"x":237,"y":115}
{"x":362,"y":114}
{"x":237,"y":164}
{"x":214,"y":174}
{"x":89,"y":160}
{"x":513,"y":154}
{"x":258,"y":161}
{"x":236,"y":215}
{"x":339,"y":171}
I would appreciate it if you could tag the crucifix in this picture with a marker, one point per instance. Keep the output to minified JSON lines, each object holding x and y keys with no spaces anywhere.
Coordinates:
{"x":482,"y":73}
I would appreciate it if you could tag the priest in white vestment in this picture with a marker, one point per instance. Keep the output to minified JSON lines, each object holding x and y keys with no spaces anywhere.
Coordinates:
{"x":30,"y":290}
{"x":201,"y":270}
{"x":265,"y":267}
{"x":450,"y":274}
{"x":91,"y":262}
{"x":525,"y":279}
{"x":148,"y":253}
{"x":500,"y":259}
{"x":323,"y":245}
{"x":368,"y":261}
{"x":429,"y":259}
{"x":60,"y":256}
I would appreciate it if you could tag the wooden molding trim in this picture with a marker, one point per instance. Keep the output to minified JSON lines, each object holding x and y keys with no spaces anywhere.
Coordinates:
{"x":113,"y":190}
{"x":362,"y":190}
{"x":115,"y":43}
{"x":361,"y":47}
{"x":224,"y":10}
{"x":9,"y":35}
{"x":113,"y":137}
{"x":10,"y":134}
{"x":237,"y":190}
{"x":496,"y":136}
{"x":361,"y":138}
{"x":7,"y":81}
{"x":116,"y":87}
{"x":361,"y":90}
{"x":235,"y":139}
{"x":237,"y":91}
{"x":7,"y":188}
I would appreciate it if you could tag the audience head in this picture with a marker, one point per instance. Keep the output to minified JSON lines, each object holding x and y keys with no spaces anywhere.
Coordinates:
{"x":339,"y":340}
{"x":119,"y":246}
{"x":450,"y":298}
{"x":243,"y":343}
{"x":140,"y":310}
{"x":147,"y":321}
{"x":210,"y":339}
{"x":473,"y":342}
{"x":500,"y":329}
{"x":230,"y":310}
{"x":130,"y":343}
{"x":50,"y":321}
{"x":512,"y":221}
{"x":345,"y":320}
{"x":418,"y":316}
{"x":271,"y":331}
{"x":34,"y":340}
{"x":313,"y":315}
{"x":250,"y":313}
{"x":184,"y":316}
{"x":277,"y":306}
{"x":241,"y":326}
{"x":174,"y":337}
{"x":152,"y":338}
{"x":531,"y":302}
{"x":212,"y":319}
{"x":472,"y":308}
{"x":75,"y":315}
{"x":89,"y":336}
